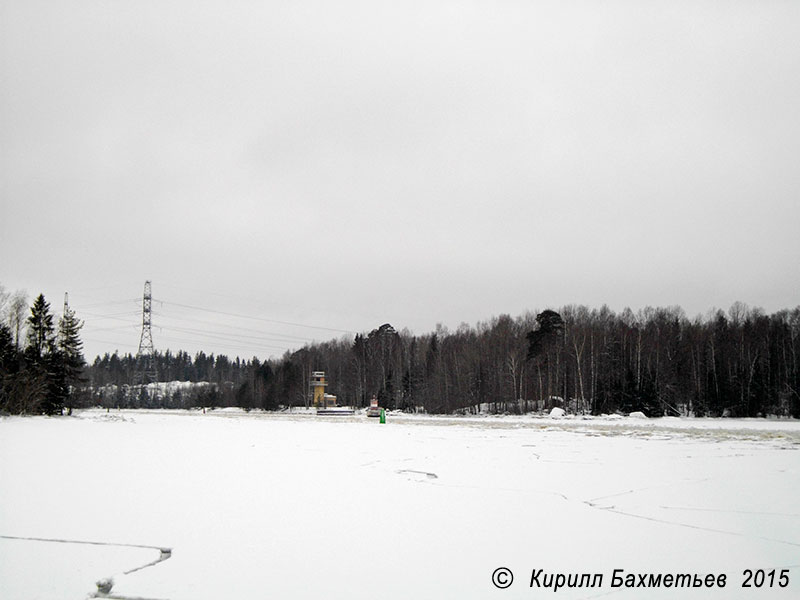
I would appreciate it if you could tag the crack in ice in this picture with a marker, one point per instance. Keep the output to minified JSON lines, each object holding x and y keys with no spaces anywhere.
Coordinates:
{"x":104,"y":585}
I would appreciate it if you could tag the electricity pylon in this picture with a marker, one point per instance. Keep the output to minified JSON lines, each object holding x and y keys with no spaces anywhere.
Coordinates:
{"x":145,"y":359}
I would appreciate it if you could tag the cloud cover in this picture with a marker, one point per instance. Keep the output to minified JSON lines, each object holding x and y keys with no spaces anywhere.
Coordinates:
{"x":354,"y":163}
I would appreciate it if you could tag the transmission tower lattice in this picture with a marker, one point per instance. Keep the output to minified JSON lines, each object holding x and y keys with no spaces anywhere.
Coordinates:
{"x":145,"y":359}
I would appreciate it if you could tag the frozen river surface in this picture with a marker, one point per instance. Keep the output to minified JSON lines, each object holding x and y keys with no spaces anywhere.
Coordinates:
{"x":293,"y":506}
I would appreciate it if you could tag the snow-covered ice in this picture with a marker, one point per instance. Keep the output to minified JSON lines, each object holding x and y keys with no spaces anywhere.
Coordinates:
{"x":295,"y":506}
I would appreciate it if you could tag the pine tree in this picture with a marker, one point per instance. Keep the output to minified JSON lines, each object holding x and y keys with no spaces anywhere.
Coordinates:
{"x":551,"y":326}
{"x":70,"y":355}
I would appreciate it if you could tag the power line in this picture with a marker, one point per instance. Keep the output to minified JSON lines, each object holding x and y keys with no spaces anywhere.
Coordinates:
{"x":112,"y":343}
{"x":108,"y":303}
{"x":224,"y":337}
{"x":236,"y":349}
{"x":115,"y":316}
{"x":114,"y":328}
{"x":207,"y":310}
{"x":289,"y":337}
{"x":219,"y":312}
{"x":218,"y":334}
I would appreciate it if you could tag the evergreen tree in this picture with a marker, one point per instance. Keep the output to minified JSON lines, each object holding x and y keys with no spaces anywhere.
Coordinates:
{"x":42,"y":356}
{"x":8,"y":353}
{"x":71,"y":361}
{"x":8,"y":360}
{"x":41,"y":333}
{"x":551,"y":326}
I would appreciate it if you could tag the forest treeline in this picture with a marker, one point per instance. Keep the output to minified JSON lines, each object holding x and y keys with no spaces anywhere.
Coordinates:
{"x":741,"y":363}
{"x":737,"y":363}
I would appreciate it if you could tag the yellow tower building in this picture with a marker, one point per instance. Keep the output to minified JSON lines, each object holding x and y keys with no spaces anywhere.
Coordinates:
{"x":325,"y":403}
{"x":318,"y":384}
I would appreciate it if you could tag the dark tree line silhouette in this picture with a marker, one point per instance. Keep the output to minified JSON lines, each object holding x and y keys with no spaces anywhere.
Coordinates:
{"x":42,"y":372}
{"x":741,"y":363}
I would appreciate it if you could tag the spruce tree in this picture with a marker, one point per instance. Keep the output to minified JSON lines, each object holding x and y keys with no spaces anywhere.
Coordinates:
{"x":8,"y":356}
{"x":41,"y":356}
{"x":70,"y":355}
{"x":41,"y":333}
{"x":8,"y":353}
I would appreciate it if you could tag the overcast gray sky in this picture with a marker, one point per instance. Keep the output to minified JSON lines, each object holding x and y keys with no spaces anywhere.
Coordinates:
{"x":345,"y":164}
